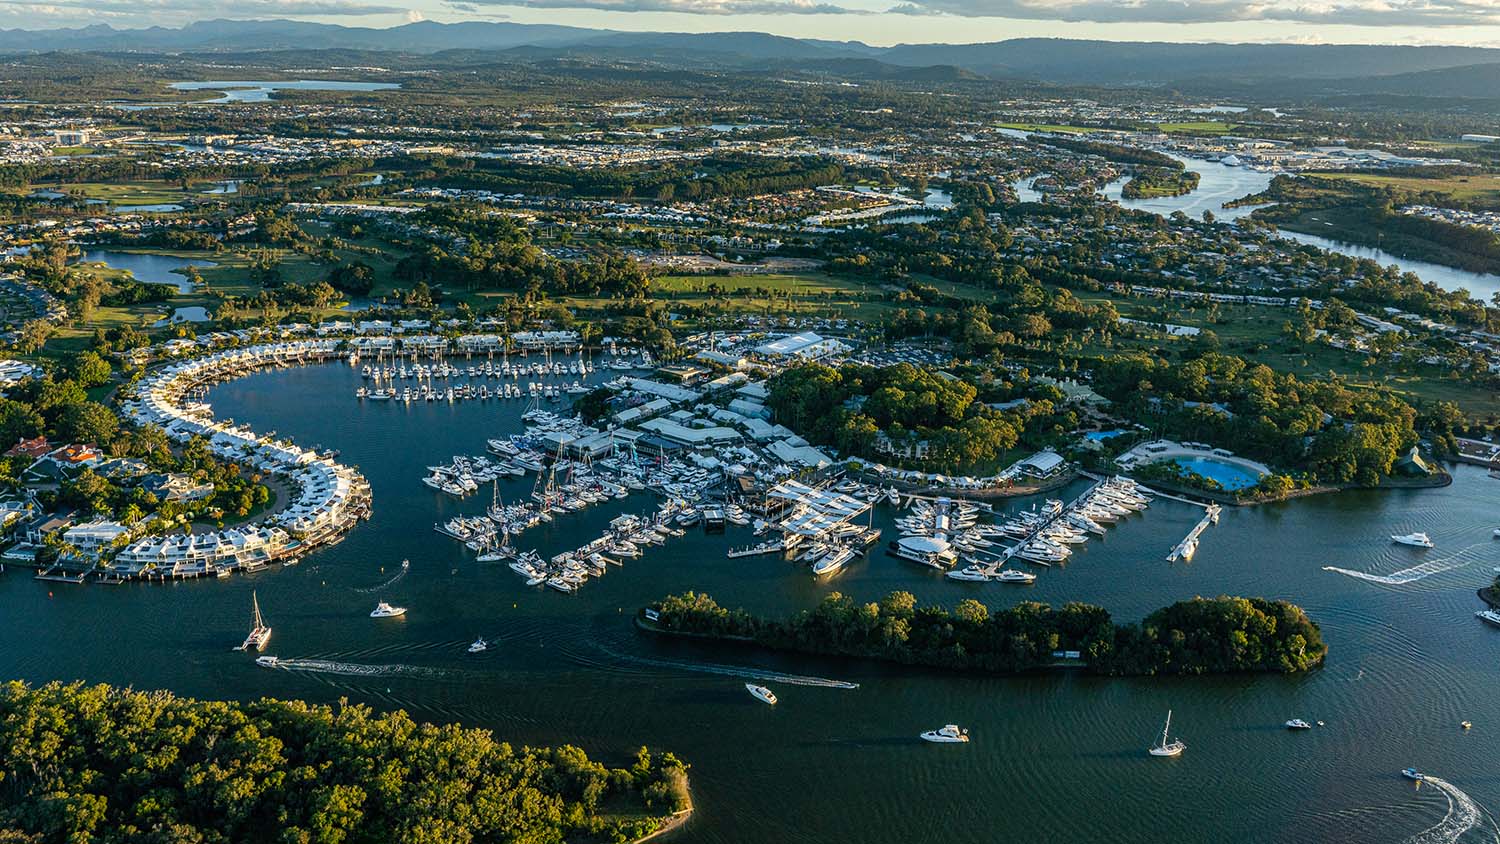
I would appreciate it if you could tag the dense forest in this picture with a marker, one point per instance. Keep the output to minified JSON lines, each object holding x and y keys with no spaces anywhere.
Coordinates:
{"x":99,"y":764}
{"x":1200,"y":636}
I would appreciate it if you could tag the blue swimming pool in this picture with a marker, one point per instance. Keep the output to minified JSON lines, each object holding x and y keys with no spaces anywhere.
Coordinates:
{"x":1230,"y":476}
{"x":1101,"y":436}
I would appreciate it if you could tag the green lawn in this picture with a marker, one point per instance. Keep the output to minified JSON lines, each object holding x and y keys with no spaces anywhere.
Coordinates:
{"x":1046,"y":127}
{"x":1196,"y":127}
{"x":1483,"y":187}
{"x":141,"y":192}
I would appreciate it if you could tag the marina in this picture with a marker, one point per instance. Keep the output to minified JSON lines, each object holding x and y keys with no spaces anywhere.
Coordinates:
{"x":572,"y":667}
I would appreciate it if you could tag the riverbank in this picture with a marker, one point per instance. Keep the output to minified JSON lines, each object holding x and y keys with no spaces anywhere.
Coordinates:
{"x":1436,"y":480}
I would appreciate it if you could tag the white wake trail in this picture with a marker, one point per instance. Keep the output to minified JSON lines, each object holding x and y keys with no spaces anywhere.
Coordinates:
{"x":388,"y":584}
{"x":354,"y":669}
{"x":1463,"y":815}
{"x":1413,"y":574}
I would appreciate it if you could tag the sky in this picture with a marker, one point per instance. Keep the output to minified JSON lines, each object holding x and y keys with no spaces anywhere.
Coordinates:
{"x":880,"y":22}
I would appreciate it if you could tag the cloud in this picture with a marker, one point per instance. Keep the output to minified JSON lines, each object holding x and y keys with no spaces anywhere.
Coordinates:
{"x":169,"y":10}
{"x":690,"y":7}
{"x":1328,"y":12}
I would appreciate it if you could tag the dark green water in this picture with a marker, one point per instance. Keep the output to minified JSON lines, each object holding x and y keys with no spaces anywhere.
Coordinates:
{"x":1056,"y":757}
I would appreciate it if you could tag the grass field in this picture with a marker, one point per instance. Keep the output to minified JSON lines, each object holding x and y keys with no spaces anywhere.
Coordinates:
{"x":1480,"y":187}
{"x":143,"y":192}
{"x":1045,"y":127}
{"x":1196,"y":127}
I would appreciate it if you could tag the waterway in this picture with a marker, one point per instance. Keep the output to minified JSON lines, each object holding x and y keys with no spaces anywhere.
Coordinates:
{"x":1060,"y":757}
{"x":1219,"y":183}
{"x":147,"y":267}
{"x":259,"y":92}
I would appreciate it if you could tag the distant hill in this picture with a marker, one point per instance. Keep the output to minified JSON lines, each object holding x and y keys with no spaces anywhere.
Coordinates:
{"x":1294,"y":68}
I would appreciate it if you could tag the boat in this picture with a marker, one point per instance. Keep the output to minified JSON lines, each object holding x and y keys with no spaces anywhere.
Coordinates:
{"x":1489,"y":616}
{"x":260,"y":634}
{"x":971,"y":573}
{"x":267,"y":661}
{"x":384,"y":610}
{"x":832,"y":561}
{"x":761,"y":693}
{"x":949,"y":734}
{"x":1014,"y":576}
{"x":1416,"y":540}
{"x":1298,"y":724}
{"x":479,"y":646}
{"x":1413,"y":774}
{"x":1166,"y":746}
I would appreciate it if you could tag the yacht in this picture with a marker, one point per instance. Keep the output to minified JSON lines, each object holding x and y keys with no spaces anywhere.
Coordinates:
{"x":479,"y":646}
{"x":832,"y":561}
{"x":260,"y":634}
{"x":1298,"y":724}
{"x":971,"y":573}
{"x":384,"y":610}
{"x":267,"y":661}
{"x":1013,"y":576}
{"x":1416,"y":540}
{"x":1491,"y":616}
{"x":950,"y":734}
{"x":761,"y":693}
{"x":1166,"y":746}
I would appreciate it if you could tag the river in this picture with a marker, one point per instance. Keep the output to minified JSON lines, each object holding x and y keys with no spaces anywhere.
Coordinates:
{"x":261,"y":91}
{"x":1219,"y":183}
{"x":1059,"y":756}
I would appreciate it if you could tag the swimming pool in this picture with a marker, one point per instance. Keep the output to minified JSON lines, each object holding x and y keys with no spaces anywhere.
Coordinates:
{"x":1230,"y":476}
{"x":1101,"y":436}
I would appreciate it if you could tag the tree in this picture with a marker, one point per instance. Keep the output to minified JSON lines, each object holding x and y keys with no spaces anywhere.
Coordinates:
{"x":87,"y":422}
{"x":91,"y":370}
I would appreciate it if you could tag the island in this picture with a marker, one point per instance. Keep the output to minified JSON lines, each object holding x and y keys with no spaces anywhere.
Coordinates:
{"x":1200,"y":636}
{"x":103,"y":764}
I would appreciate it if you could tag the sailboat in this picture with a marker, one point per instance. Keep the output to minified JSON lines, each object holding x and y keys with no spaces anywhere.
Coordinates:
{"x":260,"y":634}
{"x":1168,"y":747}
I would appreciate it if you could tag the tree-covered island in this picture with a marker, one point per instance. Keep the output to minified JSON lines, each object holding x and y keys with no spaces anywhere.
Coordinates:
{"x":1200,"y":636}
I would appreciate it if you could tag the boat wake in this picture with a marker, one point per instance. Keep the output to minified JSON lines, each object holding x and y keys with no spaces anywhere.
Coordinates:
{"x":743,"y":672}
{"x":386,"y":585}
{"x":1413,"y":574}
{"x":355,"y":669}
{"x":1463,"y":815}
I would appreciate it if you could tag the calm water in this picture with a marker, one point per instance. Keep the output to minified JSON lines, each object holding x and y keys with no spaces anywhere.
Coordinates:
{"x":1219,"y":184}
{"x":259,"y":92}
{"x":1062,"y":754}
{"x":148,"y":268}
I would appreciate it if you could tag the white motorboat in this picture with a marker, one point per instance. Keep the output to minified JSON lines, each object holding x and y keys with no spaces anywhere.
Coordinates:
{"x":1416,"y":540}
{"x":260,"y":634}
{"x":1167,"y":746}
{"x":949,"y":734}
{"x":832,"y":561}
{"x":384,"y":610}
{"x":761,"y":693}
{"x":479,"y":646}
{"x":1014,"y":576}
{"x":1298,"y":724}
{"x":973,"y":574}
{"x":267,"y":661}
{"x":1413,"y":774}
{"x":1490,"y":616}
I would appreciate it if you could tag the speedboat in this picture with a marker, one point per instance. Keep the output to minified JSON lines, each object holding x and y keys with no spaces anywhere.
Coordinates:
{"x":761,"y":693}
{"x":479,"y":646}
{"x":1416,"y":540}
{"x":950,"y":734}
{"x":1298,"y":724}
{"x":1413,"y":774}
{"x":1165,"y":746}
{"x":384,"y":610}
{"x":267,"y":661}
{"x":1490,"y":616}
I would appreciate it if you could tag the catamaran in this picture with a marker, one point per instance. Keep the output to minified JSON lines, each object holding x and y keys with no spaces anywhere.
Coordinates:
{"x":260,"y":634}
{"x":1165,"y":746}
